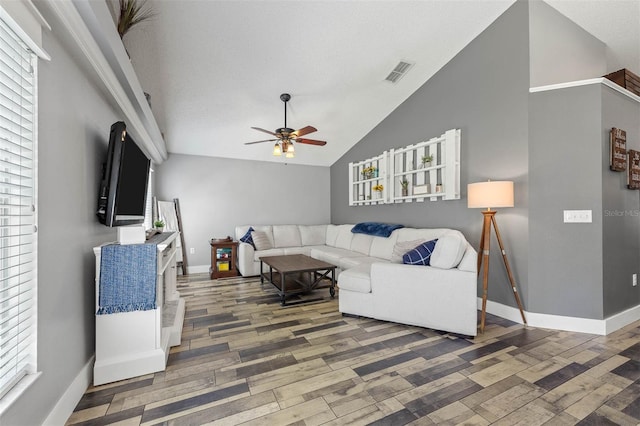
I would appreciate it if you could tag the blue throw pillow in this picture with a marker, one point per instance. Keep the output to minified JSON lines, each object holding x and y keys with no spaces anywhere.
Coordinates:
{"x":246,"y":238}
{"x":420,"y":255}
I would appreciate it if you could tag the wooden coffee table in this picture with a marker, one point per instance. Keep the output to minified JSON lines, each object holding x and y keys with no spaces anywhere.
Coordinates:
{"x":296,"y":273}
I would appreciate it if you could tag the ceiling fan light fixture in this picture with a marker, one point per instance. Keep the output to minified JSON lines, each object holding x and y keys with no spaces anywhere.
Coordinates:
{"x":286,"y":135}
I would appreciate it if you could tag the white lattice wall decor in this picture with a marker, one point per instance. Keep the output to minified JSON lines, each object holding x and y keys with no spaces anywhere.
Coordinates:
{"x":364,"y":176}
{"x":436,"y":179}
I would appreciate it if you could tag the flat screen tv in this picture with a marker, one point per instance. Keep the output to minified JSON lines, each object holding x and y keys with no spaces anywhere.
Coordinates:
{"x":123,"y":188}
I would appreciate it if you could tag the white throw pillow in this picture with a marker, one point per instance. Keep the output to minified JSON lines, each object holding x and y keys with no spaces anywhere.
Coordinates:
{"x":449,"y":251}
{"x":261,"y":240}
{"x":402,"y":247}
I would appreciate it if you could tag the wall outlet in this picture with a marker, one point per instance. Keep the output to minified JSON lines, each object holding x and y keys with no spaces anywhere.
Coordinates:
{"x":634,"y":280}
{"x":192,"y":250}
{"x":577,"y":216}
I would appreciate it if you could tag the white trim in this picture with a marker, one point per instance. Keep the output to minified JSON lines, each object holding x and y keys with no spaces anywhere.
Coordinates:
{"x":600,"y":80}
{"x":622,"y":319}
{"x":198,"y":269}
{"x":16,"y":391}
{"x":559,"y":322}
{"x":70,"y":398}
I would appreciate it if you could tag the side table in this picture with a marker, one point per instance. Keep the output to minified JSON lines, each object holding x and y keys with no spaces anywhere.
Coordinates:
{"x":224,"y":254}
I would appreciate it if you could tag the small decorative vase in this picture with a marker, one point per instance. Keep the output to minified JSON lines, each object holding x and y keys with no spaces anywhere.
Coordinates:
{"x":405,"y":191}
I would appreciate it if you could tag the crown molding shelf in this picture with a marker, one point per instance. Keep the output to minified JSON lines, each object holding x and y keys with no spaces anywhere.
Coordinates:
{"x":600,"y":80}
{"x":91,"y":26}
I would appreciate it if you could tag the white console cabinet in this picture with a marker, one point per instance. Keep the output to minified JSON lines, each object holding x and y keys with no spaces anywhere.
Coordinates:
{"x":134,"y":343}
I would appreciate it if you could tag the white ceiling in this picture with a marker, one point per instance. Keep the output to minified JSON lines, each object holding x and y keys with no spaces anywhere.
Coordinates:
{"x":214,"y":69}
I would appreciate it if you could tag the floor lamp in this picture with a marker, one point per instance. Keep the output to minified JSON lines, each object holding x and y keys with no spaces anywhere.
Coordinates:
{"x":487,"y":195}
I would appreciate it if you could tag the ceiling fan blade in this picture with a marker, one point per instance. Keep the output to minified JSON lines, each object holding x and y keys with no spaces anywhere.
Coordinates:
{"x":266,"y":140}
{"x":311,"y":142}
{"x":264,"y":130}
{"x":304,"y":131}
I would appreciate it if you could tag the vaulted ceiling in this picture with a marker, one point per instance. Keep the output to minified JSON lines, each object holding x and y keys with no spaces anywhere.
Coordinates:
{"x":214,"y":69}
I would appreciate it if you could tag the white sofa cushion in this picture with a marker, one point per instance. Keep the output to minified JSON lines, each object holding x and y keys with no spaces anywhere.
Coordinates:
{"x":313,"y":235}
{"x":448,"y":251}
{"x":425,"y":234}
{"x":332,"y":254}
{"x":469,"y":261}
{"x":383,"y":247}
{"x":361,"y":243}
{"x":332,"y":235}
{"x":286,"y":236}
{"x":344,"y":237}
{"x":271,"y":252}
{"x":351,"y":262}
{"x":356,"y":279}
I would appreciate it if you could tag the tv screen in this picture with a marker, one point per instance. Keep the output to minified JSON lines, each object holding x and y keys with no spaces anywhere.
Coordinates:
{"x":123,"y":190}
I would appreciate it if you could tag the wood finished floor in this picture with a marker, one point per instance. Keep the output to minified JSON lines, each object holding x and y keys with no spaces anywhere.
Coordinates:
{"x":246,"y":360}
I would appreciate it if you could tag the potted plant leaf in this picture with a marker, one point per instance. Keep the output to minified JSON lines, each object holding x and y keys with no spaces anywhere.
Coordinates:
{"x":132,"y":12}
{"x":159,"y":225}
{"x":426,"y":160}
{"x":404,"y":183}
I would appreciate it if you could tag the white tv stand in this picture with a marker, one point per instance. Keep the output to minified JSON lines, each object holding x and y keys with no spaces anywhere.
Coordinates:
{"x":135,"y":343}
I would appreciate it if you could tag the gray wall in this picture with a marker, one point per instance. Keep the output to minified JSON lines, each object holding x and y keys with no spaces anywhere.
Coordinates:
{"x":621,"y":208}
{"x":582,"y":269}
{"x":216,"y":194}
{"x":560,"y":50}
{"x":566,"y":173}
{"x":74,"y":121}
{"x":483,"y":91}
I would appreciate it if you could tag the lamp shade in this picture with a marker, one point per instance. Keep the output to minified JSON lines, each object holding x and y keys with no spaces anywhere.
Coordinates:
{"x":490,"y":194}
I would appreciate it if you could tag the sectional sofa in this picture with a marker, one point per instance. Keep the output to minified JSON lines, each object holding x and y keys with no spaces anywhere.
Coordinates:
{"x":372,"y":280}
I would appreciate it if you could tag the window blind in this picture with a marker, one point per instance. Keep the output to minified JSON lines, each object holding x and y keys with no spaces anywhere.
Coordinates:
{"x":17,"y":209}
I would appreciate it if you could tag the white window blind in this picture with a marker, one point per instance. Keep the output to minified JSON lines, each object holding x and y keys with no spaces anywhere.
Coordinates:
{"x":17,"y":210}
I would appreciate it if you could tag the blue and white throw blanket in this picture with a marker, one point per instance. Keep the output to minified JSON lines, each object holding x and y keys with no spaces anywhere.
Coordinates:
{"x":128,"y":276}
{"x":375,"y":228}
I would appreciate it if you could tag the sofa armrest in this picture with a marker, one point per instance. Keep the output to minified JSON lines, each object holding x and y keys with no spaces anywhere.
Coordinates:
{"x":245,"y":259}
{"x":469,"y":262}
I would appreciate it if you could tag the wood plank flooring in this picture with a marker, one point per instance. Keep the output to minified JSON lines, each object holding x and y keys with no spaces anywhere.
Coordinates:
{"x":246,"y":360}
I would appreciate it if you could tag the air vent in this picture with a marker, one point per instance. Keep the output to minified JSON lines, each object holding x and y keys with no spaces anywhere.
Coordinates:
{"x":401,"y":69}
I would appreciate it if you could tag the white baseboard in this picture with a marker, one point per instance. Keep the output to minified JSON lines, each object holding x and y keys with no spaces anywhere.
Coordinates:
{"x":70,"y":398}
{"x":198,"y":269}
{"x":558,"y":322}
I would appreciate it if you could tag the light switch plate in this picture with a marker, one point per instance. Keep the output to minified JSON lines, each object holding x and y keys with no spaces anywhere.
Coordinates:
{"x":577,"y":216}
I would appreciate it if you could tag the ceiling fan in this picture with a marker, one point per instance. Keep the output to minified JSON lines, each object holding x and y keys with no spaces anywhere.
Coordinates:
{"x":285,"y":136}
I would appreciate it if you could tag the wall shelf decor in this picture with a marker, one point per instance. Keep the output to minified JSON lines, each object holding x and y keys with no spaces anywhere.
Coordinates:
{"x":436,"y":179}
{"x":364,"y":176}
